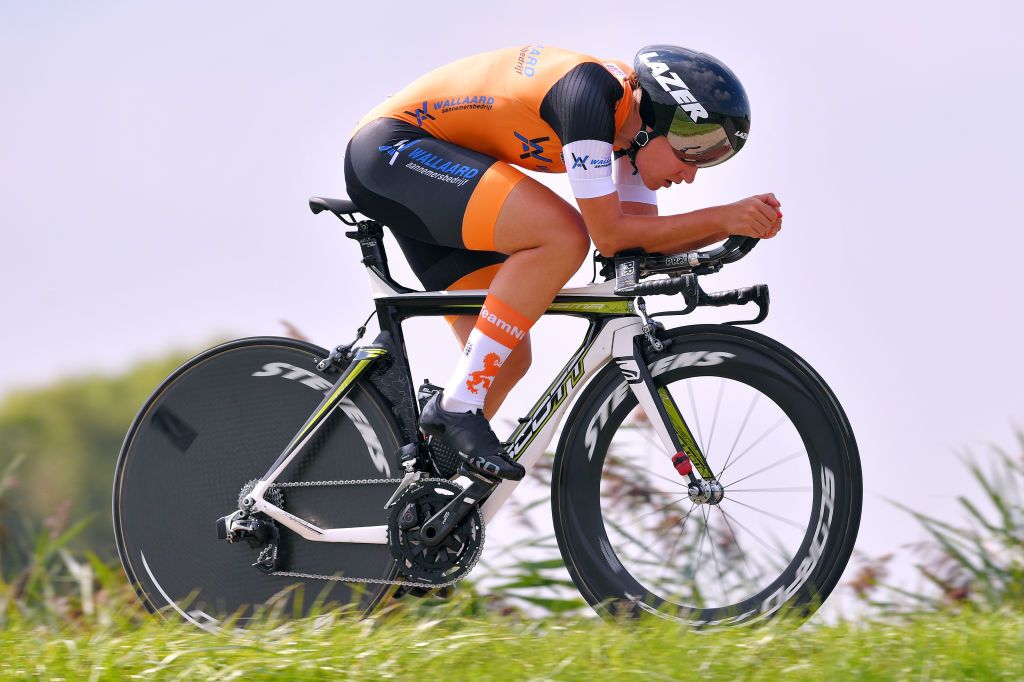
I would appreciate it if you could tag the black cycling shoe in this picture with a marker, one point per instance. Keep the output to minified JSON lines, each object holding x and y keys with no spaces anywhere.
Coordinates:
{"x":471,"y":435}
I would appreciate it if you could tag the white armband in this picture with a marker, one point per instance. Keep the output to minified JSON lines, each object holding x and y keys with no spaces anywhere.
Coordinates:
{"x":629,"y":185}
{"x":588,"y":164}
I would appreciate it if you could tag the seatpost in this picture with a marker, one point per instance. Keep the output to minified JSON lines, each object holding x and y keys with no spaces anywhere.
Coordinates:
{"x":370,"y":236}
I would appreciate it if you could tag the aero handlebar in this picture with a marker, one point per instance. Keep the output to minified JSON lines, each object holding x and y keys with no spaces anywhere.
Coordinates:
{"x":684,"y":268}
{"x":629,"y":267}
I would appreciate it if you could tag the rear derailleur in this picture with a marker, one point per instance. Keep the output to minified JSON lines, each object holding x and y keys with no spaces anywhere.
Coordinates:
{"x":258,"y":530}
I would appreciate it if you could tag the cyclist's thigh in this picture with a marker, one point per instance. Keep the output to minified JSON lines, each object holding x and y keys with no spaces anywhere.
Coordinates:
{"x":442,"y":267}
{"x":532,"y":215}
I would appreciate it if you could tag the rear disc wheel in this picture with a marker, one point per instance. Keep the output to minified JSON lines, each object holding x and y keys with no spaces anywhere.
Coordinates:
{"x":215,"y":424}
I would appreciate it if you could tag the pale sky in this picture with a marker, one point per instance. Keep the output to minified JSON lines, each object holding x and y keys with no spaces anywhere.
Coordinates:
{"x":156,"y":158}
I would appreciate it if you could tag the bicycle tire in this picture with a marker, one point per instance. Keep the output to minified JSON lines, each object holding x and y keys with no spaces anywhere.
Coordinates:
{"x":605,"y":567}
{"x":219,"y":421}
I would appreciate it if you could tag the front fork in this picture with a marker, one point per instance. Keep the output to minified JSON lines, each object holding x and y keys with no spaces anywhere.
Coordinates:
{"x":660,"y":407}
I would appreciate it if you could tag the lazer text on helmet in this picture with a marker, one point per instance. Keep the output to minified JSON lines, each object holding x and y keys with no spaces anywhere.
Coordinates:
{"x":675,"y":86}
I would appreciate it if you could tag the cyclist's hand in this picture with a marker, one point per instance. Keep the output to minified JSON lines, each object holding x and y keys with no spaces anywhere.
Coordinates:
{"x":756,"y":216}
{"x":769,"y":199}
{"x":777,"y":205}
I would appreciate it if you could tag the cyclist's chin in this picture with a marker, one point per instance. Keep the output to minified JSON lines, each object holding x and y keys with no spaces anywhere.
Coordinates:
{"x":653,"y":184}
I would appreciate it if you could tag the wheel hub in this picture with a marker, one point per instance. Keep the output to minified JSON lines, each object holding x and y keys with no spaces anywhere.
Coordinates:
{"x":706,"y":492}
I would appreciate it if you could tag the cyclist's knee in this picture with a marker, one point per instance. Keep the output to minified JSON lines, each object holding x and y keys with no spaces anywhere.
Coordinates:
{"x":566,"y":237}
{"x":574,"y":242}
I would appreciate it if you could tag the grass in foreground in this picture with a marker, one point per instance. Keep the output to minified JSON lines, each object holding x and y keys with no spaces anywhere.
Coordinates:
{"x":969,"y":645}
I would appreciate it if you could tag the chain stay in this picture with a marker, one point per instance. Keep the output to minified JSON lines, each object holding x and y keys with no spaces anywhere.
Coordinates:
{"x":350,"y":579}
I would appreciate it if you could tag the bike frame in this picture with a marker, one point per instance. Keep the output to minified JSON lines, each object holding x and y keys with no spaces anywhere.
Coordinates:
{"x":614,"y":333}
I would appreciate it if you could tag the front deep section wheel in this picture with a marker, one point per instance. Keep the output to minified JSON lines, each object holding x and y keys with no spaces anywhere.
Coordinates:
{"x":772,"y":531}
{"x":216,"y":424}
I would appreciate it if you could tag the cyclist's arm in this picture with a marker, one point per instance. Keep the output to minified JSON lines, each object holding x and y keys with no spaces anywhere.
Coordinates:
{"x":613,"y":229}
{"x":615,"y":211}
{"x":636,"y":208}
{"x":580,"y":107}
{"x":636,"y":199}
{"x":624,"y":215}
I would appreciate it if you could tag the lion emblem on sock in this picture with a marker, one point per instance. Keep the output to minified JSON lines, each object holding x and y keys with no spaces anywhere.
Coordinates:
{"x":484,"y":377}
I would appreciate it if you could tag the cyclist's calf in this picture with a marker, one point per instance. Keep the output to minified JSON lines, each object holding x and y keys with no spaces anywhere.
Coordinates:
{"x":512,"y":370}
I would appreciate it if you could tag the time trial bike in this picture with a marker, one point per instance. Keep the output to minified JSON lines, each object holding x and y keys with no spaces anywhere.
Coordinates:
{"x":705,"y":473}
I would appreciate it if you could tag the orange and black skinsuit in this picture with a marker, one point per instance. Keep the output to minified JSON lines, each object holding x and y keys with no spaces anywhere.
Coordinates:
{"x":434,"y":161}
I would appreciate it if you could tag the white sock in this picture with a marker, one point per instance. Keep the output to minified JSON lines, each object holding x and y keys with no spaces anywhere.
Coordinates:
{"x":499,"y":328}
{"x":481,"y":359}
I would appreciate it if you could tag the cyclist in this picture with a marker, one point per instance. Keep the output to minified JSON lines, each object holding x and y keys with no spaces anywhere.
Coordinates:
{"x":435,"y":163}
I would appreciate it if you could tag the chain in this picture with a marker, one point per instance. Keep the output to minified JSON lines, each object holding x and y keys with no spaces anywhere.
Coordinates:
{"x":360,"y":481}
{"x":348,"y":579}
{"x":373,"y":581}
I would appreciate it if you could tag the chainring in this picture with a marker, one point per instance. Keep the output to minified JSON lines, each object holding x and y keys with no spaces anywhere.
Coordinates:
{"x":451,"y":560}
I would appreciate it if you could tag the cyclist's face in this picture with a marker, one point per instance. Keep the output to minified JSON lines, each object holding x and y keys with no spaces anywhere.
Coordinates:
{"x":660,"y":165}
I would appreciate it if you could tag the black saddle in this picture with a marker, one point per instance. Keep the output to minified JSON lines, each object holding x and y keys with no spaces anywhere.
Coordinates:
{"x":343,"y":208}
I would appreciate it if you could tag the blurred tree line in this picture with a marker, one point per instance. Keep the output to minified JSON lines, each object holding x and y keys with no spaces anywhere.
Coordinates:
{"x":64,"y":439}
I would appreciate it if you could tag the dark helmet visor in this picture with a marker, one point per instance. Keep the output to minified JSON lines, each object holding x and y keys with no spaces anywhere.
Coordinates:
{"x":702,"y":144}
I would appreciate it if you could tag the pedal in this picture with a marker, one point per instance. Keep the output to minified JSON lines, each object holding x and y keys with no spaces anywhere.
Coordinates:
{"x":475,"y":475}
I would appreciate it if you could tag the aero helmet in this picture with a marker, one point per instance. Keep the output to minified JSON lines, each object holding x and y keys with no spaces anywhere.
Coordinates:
{"x":694,"y":100}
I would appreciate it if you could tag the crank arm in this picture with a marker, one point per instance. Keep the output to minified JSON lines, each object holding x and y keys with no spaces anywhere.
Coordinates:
{"x":441,"y":524}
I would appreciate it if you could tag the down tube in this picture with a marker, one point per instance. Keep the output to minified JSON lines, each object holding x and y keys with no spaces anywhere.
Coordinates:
{"x":533,"y":435}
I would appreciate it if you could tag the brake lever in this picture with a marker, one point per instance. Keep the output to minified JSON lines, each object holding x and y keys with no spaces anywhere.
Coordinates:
{"x":691,"y":294}
{"x":762,"y":300}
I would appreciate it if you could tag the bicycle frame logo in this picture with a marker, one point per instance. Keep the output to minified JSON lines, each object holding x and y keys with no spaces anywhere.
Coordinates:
{"x":421,"y":114}
{"x":547,"y":405}
{"x":351,"y":410}
{"x":631,"y":375}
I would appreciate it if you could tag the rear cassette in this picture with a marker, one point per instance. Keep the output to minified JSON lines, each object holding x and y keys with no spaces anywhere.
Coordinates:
{"x":454,"y":557}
